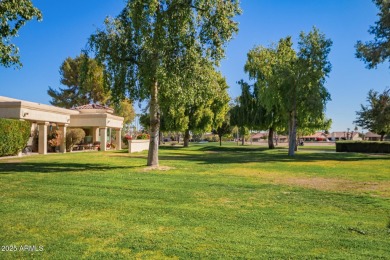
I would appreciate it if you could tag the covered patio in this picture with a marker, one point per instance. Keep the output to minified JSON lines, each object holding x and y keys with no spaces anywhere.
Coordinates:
{"x":96,"y":119}
{"x":98,"y":122}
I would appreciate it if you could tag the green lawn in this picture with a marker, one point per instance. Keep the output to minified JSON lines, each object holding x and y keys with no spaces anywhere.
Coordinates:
{"x":207,"y":202}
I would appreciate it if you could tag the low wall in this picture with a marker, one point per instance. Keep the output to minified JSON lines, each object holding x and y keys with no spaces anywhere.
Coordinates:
{"x":138,"y":145}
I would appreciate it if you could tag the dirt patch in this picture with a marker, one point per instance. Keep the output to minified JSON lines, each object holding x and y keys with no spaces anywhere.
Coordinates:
{"x":12,"y":161}
{"x":159,"y":168}
{"x":331,"y":184}
{"x":378,"y":188}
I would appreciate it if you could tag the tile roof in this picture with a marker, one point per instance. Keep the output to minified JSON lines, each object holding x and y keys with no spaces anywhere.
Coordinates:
{"x":91,"y":106}
{"x":343,"y":134}
{"x":371,"y":134}
{"x":259,"y":135}
{"x":316,"y":135}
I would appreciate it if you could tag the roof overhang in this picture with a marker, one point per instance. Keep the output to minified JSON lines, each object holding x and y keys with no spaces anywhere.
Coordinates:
{"x":36,"y":112}
{"x":96,"y":120}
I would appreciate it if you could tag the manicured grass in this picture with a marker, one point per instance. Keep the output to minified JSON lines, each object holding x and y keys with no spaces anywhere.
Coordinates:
{"x":208,"y":202}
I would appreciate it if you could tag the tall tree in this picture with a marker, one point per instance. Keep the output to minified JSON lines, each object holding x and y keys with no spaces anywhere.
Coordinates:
{"x":125,"y":109}
{"x":141,"y":46}
{"x":199,"y":104}
{"x":377,"y":51}
{"x":208,"y":111}
{"x":13,"y":15}
{"x":83,"y":79}
{"x":242,"y":112}
{"x":376,"y":116}
{"x":222,"y":130}
{"x":291,"y":84}
{"x":303,"y":90}
{"x":268,"y":106}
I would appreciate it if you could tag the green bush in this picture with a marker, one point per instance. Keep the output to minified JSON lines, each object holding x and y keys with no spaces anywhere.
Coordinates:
{"x":143,"y":136}
{"x":14,"y":135}
{"x":73,"y":137}
{"x":363,"y":147}
{"x":212,"y":139}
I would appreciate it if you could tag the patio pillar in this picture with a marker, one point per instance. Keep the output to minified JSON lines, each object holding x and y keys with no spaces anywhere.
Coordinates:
{"x":103,"y":139}
{"x":42,"y":145}
{"x":63,"y":132}
{"x":95,"y":134}
{"x":118,"y":138}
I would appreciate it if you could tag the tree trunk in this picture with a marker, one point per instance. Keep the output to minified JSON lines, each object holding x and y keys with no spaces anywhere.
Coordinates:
{"x":243,"y":136}
{"x":187,"y":138}
{"x":271,"y":138}
{"x":220,"y":140}
{"x":292,"y":144}
{"x":292,"y":133}
{"x":154,"y":126}
{"x":382,"y":136}
{"x":276,"y":139}
{"x":160,"y":137}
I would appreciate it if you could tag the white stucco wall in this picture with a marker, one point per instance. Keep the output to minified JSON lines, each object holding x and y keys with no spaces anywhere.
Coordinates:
{"x":138,"y":145}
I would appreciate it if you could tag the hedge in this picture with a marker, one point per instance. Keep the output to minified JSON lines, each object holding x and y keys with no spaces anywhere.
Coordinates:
{"x":363,"y":147}
{"x":14,"y":135}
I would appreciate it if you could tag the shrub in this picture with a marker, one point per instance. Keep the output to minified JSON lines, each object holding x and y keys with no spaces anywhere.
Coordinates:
{"x":73,"y":137}
{"x":126,"y":138}
{"x":14,"y":135}
{"x":211,"y":139}
{"x":143,"y":136}
{"x":363,"y":147}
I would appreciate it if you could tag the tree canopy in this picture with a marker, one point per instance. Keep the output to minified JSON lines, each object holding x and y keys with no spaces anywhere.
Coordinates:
{"x":125,"y":109}
{"x":243,"y":112}
{"x":290,"y":84}
{"x":378,"y":50}
{"x":224,"y":129}
{"x":376,"y":116}
{"x":144,"y":46}
{"x":13,"y":15}
{"x":83,"y":79}
{"x":268,"y":103}
{"x":199,"y":104}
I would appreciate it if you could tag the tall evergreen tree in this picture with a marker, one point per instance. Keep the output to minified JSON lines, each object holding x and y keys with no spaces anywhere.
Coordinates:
{"x":83,"y":79}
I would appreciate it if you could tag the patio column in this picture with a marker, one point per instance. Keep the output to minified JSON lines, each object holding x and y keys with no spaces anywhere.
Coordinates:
{"x":63,"y":131}
{"x":118,"y":138}
{"x":103,"y":139}
{"x":95,"y":134}
{"x":42,"y":145}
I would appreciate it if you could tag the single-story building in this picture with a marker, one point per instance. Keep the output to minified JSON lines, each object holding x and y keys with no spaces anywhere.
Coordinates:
{"x":318,"y":136}
{"x":338,"y":136}
{"x":96,"y":119}
{"x":257,"y":137}
{"x":370,"y":136}
{"x":263,"y":136}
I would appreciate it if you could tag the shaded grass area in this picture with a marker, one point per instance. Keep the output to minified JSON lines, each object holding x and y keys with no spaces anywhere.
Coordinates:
{"x":214,"y":202}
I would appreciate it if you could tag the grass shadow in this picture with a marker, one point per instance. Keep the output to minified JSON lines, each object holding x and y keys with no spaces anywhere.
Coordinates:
{"x":248,"y":154}
{"x":38,"y":167}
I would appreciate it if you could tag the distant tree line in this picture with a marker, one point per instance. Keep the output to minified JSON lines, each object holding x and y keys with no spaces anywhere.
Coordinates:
{"x":168,"y":53}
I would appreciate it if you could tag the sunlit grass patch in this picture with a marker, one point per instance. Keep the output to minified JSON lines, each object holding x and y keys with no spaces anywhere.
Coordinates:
{"x":209,"y":202}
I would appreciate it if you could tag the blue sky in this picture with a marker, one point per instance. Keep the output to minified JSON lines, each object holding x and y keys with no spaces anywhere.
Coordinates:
{"x":67,"y":25}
